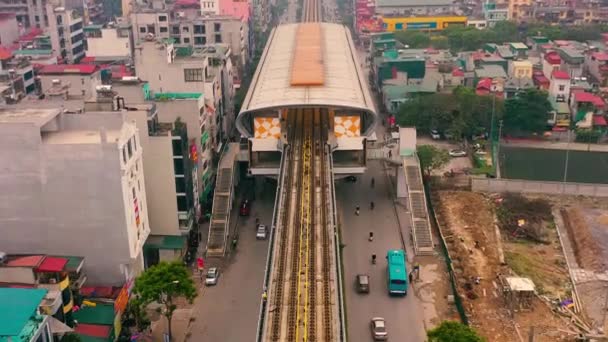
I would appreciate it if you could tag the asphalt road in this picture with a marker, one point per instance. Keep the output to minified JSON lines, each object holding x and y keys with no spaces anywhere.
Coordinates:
{"x":404,"y":323}
{"x":229,"y":311}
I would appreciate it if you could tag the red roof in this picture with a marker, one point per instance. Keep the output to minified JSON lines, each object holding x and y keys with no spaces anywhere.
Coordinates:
{"x":457,"y":72}
{"x":52,"y":264}
{"x":33,"y":33}
{"x":588,"y":97}
{"x":600,"y":56}
{"x":68,"y":69}
{"x":26,"y":261}
{"x":553,"y":58}
{"x":94,"y":330}
{"x":560,"y":75}
{"x":5,"y":53}
{"x":484,"y":86}
{"x":87,"y":60}
{"x":599,"y":120}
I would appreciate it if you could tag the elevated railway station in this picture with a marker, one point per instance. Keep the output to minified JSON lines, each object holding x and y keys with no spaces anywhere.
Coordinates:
{"x":308,"y":65}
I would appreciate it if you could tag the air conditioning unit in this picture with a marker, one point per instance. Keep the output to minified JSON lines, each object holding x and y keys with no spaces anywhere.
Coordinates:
{"x":2,"y":258}
{"x":130,"y":79}
{"x":56,"y":82}
{"x":103,"y":88}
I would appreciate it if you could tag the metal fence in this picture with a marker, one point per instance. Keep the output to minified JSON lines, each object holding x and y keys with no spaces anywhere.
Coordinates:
{"x":542,"y":187}
{"x":444,"y":247}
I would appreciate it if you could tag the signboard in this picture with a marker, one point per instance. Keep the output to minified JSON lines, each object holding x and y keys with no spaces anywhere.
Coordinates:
{"x":267,"y":128}
{"x":421,"y":26}
{"x":347,"y":126}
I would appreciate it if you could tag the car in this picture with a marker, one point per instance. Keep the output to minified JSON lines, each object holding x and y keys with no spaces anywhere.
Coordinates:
{"x":212,"y":276}
{"x":458,"y":153}
{"x":245,"y":208}
{"x":351,"y":179}
{"x":378,"y":327}
{"x":261,"y":232}
{"x":362,"y":283}
{"x":435,"y":134}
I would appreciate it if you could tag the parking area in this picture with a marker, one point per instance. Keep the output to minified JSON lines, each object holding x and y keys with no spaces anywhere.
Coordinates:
{"x":456,"y":164}
{"x":229,"y":311}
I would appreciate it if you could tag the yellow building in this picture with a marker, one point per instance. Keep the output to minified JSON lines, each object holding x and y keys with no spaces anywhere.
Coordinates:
{"x":521,"y":69}
{"x":422,"y":23}
{"x":520,"y":9}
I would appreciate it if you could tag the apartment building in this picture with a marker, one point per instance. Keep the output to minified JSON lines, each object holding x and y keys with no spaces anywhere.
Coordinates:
{"x":220,"y":65}
{"x":109,"y":43}
{"x":198,"y":31}
{"x":66,"y":33}
{"x":9,"y":29}
{"x":520,"y":10}
{"x":170,"y":164}
{"x":572,"y":60}
{"x":17,"y":74}
{"x":398,"y":8}
{"x":494,"y":12}
{"x":76,"y":184}
{"x":559,"y":89}
{"x":596,"y":65}
{"x":81,"y":80}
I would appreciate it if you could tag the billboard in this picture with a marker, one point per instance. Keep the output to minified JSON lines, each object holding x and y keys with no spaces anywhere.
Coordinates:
{"x":266,"y":128}
{"x":347,"y":126}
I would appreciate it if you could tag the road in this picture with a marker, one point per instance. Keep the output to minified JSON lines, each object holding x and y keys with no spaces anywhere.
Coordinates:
{"x":229,"y":311}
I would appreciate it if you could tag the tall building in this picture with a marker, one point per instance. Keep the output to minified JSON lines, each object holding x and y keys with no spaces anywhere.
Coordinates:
{"x":67,"y":36}
{"x":76,"y":185}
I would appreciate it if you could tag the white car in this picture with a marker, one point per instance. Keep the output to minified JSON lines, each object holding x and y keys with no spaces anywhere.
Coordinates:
{"x":458,"y":153}
{"x":212,"y":276}
{"x":261,"y":232}
{"x":378,"y":327}
{"x":435,"y":134}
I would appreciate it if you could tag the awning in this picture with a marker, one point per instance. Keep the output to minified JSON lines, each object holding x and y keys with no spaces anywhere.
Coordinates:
{"x":94,"y":330}
{"x":165,"y":242}
{"x":204,"y":138}
{"x":599,"y":120}
{"x":58,"y":327}
{"x":52,"y":264}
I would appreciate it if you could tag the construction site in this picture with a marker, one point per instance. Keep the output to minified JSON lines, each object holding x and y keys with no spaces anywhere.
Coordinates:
{"x":523,"y":269}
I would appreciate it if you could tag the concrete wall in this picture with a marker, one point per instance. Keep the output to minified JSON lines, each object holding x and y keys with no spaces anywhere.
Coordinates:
{"x":80,"y":85}
{"x":524,"y":186}
{"x":109,"y":45}
{"x":65,"y":200}
{"x":160,"y":186}
{"x":9,"y":31}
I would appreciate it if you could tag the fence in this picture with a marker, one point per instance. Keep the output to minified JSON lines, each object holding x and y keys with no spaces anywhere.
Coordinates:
{"x":448,"y":259}
{"x":542,"y":187}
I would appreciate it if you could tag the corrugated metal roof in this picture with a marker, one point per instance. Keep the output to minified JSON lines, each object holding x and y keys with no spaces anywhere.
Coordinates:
{"x":17,"y":306}
{"x":344,"y":86}
{"x":52,"y":264}
{"x":68,"y":69}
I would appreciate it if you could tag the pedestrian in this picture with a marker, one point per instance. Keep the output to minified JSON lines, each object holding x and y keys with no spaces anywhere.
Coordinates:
{"x":357,"y":211}
{"x":264,"y":296}
{"x":371,"y":236}
{"x":411,"y":277}
{"x":372,"y":205}
{"x":390,"y":154}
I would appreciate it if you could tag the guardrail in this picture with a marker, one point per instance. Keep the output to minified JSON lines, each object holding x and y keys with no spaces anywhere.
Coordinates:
{"x":341,"y":309}
{"x":268,"y":270}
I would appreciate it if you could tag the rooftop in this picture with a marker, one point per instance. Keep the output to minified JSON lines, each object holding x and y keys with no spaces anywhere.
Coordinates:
{"x":600,"y":56}
{"x":552,"y":57}
{"x":582,"y":96}
{"x":37,"y":117}
{"x":17,"y":306}
{"x":518,"y":46}
{"x":54,"y":69}
{"x":409,"y":3}
{"x":490,"y":71}
{"x":570,"y":53}
{"x":80,"y":137}
{"x":32,"y":261}
{"x":560,"y":75}
{"x":102,"y":314}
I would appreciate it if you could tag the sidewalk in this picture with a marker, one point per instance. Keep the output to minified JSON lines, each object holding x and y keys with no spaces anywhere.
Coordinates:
{"x":555,"y":145}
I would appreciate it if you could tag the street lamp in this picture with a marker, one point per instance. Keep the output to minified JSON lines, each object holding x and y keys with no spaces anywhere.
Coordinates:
{"x":167,"y":337}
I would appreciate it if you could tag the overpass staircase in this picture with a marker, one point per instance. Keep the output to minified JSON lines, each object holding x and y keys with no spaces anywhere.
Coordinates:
{"x":421,"y":227}
{"x":223,"y":197}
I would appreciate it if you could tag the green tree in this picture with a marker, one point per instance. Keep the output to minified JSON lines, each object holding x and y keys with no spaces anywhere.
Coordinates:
{"x":165,"y":283}
{"x":527,"y":112}
{"x":414,"y":39}
{"x":440,"y":42}
{"x":432,"y":158}
{"x":451,"y":331}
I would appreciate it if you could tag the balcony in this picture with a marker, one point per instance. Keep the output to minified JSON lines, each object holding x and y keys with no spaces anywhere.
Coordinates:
{"x":51,"y":303}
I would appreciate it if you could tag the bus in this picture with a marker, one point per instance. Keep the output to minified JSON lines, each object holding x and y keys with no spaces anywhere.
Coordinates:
{"x":396,"y":272}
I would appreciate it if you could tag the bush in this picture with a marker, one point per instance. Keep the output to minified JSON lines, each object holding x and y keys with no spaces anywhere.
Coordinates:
{"x":588,"y":136}
{"x":451,"y":331}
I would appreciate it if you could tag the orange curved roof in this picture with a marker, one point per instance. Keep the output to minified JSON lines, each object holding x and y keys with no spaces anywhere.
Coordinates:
{"x":307,"y":66}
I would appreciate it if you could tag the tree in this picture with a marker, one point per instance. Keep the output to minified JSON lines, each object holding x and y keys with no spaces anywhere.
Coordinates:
{"x":527,"y":112}
{"x":165,"y":283}
{"x":414,"y":39}
{"x":451,"y":331}
{"x":432,"y":158}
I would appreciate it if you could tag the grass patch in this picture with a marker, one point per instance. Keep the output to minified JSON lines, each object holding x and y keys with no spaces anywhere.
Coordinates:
{"x":548,"y":274}
{"x":524,"y":267}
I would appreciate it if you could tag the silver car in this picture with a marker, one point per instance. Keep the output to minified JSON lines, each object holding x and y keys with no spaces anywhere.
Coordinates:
{"x":212,"y":276}
{"x":261,"y":232}
{"x":378,"y":326}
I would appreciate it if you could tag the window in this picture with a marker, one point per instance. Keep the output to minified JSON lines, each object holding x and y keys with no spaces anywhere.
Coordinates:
{"x":180,"y":185}
{"x":218,"y":38}
{"x":133,"y":191}
{"x":186,"y":40}
{"x":185,"y":29}
{"x":162,"y":18}
{"x":193,"y":75}
{"x":200,"y":40}
{"x":199,"y":29}
{"x":124,"y":155}
{"x":217,"y":27}
{"x":562,"y":87}
{"x":130,"y":149}
{"x":164,"y":29}
{"x":175,"y":29}
{"x":182,"y":203}
{"x":177,"y":148}
{"x":142,"y":29}
{"x":135,"y":143}
{"x":37,"y":18}
{"x":399,"y":26}
{"x":177,"y":40}
{"x":178,"y":166}
{"x":151,"y":29}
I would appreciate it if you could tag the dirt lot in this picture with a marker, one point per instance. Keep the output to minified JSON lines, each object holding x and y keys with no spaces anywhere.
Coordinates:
{"x":467,"y":219}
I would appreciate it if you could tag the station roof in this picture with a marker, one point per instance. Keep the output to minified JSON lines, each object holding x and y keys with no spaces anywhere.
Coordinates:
{"x":343,"y":86}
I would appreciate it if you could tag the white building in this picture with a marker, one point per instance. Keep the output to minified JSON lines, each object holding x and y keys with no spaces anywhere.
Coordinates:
{"x":75,"y":186}
{"x":109,"y":44}
{"x":67,"y":36}
{"x":211,"y":7}
{"x":559,"y":88}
